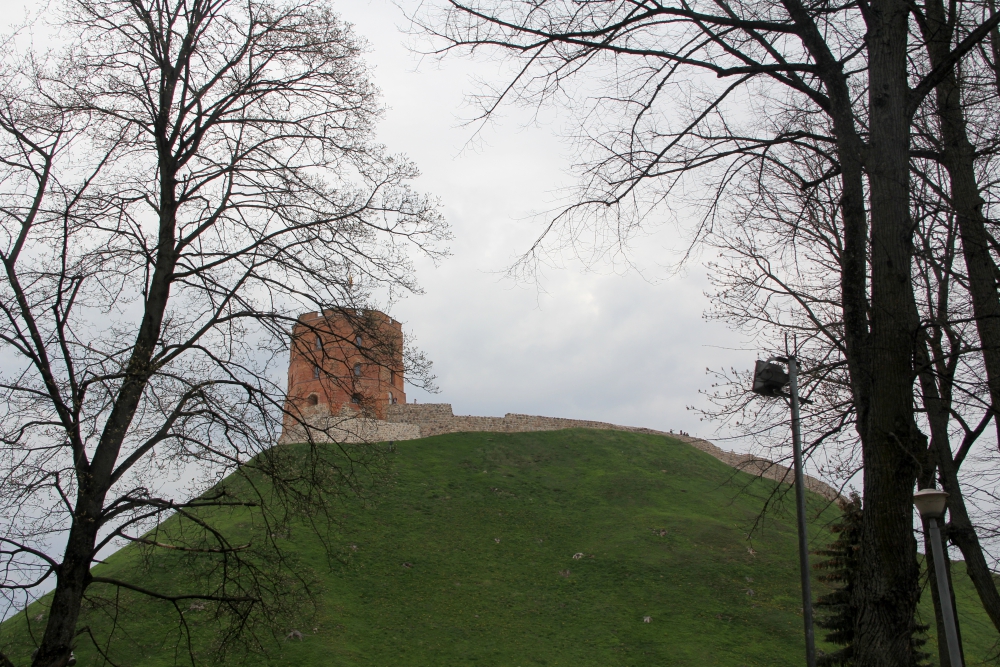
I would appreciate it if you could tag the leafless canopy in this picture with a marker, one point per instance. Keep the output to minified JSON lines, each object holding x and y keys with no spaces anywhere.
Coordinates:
{"x":176,"y":186}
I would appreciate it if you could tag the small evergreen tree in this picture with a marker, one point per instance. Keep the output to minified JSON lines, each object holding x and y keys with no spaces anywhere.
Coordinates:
{"x":835,"y":611}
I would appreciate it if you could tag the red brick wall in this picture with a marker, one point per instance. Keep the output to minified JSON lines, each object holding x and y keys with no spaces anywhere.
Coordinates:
{"x":348,"y":359}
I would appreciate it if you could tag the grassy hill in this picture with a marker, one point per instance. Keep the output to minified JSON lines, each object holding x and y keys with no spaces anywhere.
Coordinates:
{"x":468,"y":559}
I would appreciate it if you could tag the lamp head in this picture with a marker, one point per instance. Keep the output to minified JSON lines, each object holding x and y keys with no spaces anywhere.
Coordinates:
{"x":930,"y":503}
{"x":769,"y":379}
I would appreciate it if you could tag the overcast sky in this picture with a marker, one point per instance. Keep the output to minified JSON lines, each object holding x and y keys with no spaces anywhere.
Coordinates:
{"x":602,"y":344}
{"x":630,"y":349}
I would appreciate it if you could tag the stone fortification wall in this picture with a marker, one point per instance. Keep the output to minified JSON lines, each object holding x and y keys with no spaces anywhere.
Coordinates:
{"x":438,"y":418}
{"x":755,"y":465}
{"x":345,"y":426}
{"x":411,"y":421}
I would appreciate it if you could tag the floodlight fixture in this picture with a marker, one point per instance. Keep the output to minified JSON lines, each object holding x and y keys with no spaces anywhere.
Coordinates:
{"x":769,"y":379}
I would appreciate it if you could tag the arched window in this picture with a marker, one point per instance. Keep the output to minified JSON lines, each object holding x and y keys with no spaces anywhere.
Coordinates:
{"x":316,"y":372}
{"x":319,"y":343}
{"x":357,"y":370}
{"x":392,"y":377}
{"x":357,"y":341}
{"x":392,"y":399}
{"x":313,"y":399}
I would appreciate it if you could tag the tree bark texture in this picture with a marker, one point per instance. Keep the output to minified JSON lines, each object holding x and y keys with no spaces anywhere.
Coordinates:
{"x":880,"y":345}
{"x":959,"y":160}
{"x":888,"y":580}
{"x":72,"y":580}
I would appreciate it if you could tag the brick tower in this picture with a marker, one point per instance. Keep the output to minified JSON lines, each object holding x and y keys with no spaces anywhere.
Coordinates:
{"x":345,"y":359}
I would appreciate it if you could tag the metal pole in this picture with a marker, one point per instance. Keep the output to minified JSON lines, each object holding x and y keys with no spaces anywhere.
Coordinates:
{"x":947,"y":613}
{"x":800,"y":506}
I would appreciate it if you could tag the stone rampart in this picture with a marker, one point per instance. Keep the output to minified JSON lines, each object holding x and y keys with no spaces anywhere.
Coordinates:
{"x":411,"y":421}
{"x":319,"y":425}
{"x":438,"y":418}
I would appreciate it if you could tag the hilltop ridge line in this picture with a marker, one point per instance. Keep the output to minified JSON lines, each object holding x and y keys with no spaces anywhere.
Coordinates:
{"x":411,"y":421}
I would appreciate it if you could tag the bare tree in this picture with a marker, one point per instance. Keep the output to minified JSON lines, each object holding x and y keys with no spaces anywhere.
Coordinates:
{"x":775,"y":278}
{"x":953,"y":156}
{"x":837,"y":78}
{"x":177,"y":186}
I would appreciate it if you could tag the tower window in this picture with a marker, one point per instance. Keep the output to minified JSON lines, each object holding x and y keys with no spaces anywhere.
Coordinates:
{"x":313,"y":399}
{"x":392,"y":377}
{"x":319,"y":343}
{"x":357,"y":341}
{"x":356,"y":399}
{"x":357,"y":369}
{"x":392,"y":399}
{"x":316,"y":372}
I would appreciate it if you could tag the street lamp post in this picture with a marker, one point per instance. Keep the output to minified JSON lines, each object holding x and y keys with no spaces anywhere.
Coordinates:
{"x":930,"y":504}
{"x":768,"y":380}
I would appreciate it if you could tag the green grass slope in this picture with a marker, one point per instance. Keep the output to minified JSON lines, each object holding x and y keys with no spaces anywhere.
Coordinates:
{"x":468,"y":559}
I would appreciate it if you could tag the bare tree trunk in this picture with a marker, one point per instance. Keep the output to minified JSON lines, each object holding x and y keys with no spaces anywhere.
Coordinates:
{"x":959,"y":156}
{"x":71,"y":584}
{"x":95,"y":479}
{"x":880,"y":349}
{"x":963,"y":534}
{"x":888,"y":579}
{"x":994,"y":41}
{"x":937,"y":403}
